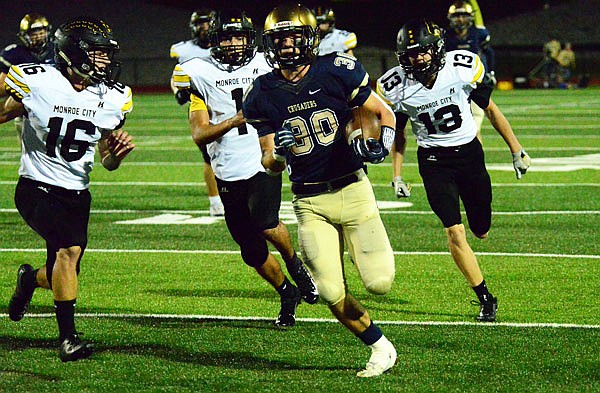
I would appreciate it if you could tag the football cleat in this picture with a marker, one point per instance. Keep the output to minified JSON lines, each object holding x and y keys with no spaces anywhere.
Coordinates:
{"x":19,"y":302}
{"x":381,"y":360}
{"x":304,"y":281}
{"x":287,"y":314}
{"x":487,"y":309}
{"x":73,"y":348}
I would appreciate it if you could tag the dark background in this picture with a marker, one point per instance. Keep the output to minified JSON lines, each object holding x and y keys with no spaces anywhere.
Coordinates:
{"x":146,"y":29}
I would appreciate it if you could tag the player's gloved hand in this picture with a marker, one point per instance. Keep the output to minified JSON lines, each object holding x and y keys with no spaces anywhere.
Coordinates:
{"x":284,"y":140}
{"x":401,"y":188}
{"x":491,"y":76}
{"x":521,"y":162}
{"x":370,"y":150}
{"x":182,"y":96}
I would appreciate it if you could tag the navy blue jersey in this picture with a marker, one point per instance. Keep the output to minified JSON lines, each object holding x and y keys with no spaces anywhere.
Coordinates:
{"x":477,"y":41}
{"x":18,"y":54}
{"x":318,"y":107}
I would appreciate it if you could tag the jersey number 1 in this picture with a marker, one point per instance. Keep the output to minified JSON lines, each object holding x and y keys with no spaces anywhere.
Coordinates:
{"x":238,"y":95}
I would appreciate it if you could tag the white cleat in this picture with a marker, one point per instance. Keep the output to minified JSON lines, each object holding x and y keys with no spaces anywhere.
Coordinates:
{"x":380,"y":362}
{"x":217,"y":210}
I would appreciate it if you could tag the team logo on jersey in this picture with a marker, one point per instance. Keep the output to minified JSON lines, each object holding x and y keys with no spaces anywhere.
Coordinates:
{"x":452,"y":90}
{"x":101,"y":104}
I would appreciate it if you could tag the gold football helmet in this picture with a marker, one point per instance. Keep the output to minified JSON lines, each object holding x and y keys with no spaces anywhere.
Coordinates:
{"x":324,"y":15}
{"x":33,"y":32}
{"x":460,"y":15}
{"x":290,"y":23}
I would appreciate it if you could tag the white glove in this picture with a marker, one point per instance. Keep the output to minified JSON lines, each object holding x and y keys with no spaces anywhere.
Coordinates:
{"x":401,"y":188}
{"x":521,"y":162}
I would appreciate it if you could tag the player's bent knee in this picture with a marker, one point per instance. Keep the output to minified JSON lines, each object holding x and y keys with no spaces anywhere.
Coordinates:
{"x":380,"y":286}
{"x":330,"y":292}
{"x":254,"y":254}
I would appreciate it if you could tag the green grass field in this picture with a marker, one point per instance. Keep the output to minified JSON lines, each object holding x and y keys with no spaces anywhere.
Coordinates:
{"x":172,"y":308}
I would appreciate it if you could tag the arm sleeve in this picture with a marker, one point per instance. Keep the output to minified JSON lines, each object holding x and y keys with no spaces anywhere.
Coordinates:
{"x":481,"y":95}
{"x":401,"y":120}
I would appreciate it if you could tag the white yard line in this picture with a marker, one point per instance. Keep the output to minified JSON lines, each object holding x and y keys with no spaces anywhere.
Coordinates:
{"x":209,"y":318}
{"x":154,"y":251}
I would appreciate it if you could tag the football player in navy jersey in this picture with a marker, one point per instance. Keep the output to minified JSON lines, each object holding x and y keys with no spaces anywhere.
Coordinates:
{"x":251,"y":197}
{"x":34,"y":46}
{"x":467,"y":32}
{"x":72,"y":108}
{"x":301,"y":110}
{"x":433,"y":88}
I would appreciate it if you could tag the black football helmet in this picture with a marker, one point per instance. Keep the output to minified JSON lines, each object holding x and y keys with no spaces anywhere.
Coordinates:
{"x":298,"y":22}
{"x":76,"y":42}
{"x":228,"y":24}
{"x":416,"y":37}
{"x":460,"y":15}
{"x":197,"y":28}
{"x":34,"y":31}
{"x":324,"y":15}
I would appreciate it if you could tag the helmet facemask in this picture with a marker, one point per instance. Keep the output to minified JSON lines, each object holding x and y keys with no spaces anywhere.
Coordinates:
{"x":289,"y":48}
{"x":199,"y":26}
{"x":460,"y":15}
{"x":86,"y":47}
{"x":421,"y":51}
{"x":34,"y":31}
{"x":238,"y":52}
{"x":460,"y":20}
{"x":423,"y":71}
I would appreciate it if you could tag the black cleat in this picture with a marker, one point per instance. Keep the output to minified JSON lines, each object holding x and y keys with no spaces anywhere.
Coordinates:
{"x":19,"y":302}
{"x":487,"y":309}
{"x":304,"y":281}
{"x":287,"y":314}
{"x":73,"y":348}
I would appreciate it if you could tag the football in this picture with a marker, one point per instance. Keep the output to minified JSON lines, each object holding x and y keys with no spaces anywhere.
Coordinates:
{"x":363,"y":124}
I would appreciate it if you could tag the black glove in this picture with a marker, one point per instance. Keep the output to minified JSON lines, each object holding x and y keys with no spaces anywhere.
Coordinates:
{"x":182,"y":96}
{"x":370,"y":150}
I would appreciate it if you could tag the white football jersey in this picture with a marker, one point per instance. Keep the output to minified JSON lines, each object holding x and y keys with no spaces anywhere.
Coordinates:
{"x":62,"y":125}
{"x":236,"y":155}
{"x":185,"y":50}
{"x":337,"y":41}
{"x":440,"y":116}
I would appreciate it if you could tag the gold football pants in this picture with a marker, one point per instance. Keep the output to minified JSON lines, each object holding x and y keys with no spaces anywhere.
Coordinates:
{"x":349,"y":214}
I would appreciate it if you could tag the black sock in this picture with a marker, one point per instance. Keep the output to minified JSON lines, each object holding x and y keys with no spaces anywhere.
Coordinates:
{"x":371,"y":335}
{"x":293,"y":261}
{"x":30,"y":280}
{"x":65,"y":316}
{"x":482,"y":292}
{"x":286,"y":289}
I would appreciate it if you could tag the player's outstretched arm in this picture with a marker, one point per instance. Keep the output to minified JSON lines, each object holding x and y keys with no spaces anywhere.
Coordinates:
{"x":521,"y":160}
{"x":114,"y":147}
